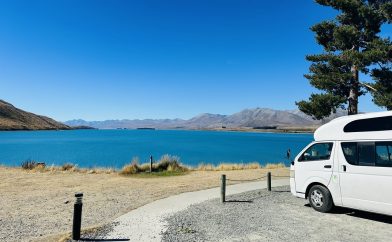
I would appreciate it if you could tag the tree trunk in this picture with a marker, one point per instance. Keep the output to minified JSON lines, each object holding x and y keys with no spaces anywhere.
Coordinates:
{"x":353,"y":96}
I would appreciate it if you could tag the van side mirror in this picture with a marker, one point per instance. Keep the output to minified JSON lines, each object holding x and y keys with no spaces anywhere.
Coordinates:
{"x":292,"y":162}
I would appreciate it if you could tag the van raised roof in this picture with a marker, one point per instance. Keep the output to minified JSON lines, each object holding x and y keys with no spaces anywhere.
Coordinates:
{"x":370,"y":126}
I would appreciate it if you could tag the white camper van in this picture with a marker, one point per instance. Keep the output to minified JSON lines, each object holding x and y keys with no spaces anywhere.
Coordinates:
{"x":349,"y":164}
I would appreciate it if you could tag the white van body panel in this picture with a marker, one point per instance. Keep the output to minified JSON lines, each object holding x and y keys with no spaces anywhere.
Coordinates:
{"x":365,"y":187}
{"x":334,"y":184}
{"x":308,"y":172}
{"x":354,"y":186}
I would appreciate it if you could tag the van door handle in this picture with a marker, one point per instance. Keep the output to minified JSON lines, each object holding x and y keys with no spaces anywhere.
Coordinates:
{"x":327,"y":166}
{"x":344,"y":168}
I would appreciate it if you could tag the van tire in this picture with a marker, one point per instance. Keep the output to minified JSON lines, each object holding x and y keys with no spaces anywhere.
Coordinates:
{"x":320,"y":198}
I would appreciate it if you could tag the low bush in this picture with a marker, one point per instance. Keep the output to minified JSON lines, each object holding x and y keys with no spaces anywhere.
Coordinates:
{"x":130,"y":169}
{"x":167,"y":164}
{"x":144,"y":167}
{"x":28,"y":164}
{"x":68,"y":167}
{"x":40,"y":166}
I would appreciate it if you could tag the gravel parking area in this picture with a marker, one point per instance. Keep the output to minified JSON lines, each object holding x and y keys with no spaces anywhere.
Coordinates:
{"x":273,"y":216}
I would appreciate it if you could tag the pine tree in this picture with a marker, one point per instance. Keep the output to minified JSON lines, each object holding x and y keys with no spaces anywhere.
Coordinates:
{"x":351,"y":45}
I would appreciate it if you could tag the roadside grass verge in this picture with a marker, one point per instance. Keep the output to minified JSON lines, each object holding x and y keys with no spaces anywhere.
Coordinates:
{"x":237,"y":166}
{"x":274,"y":165}
{"x":167,"y":165}
{"x":35,"y":166}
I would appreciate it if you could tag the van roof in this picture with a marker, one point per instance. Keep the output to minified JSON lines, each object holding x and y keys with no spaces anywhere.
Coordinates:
{"x":335,"y":129}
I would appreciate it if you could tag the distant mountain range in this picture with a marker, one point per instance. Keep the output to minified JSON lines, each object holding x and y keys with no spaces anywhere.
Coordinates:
{"x":247,"y":118}
{"x":12,"y":118}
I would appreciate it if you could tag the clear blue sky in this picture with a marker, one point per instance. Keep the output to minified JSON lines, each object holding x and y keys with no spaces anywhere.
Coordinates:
{"x":101,"y":60}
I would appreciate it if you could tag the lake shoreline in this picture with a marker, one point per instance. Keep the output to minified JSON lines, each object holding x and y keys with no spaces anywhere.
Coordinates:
{"x":278,"y":131}
{"x":72,"y":167}
{"x":288,"y":130}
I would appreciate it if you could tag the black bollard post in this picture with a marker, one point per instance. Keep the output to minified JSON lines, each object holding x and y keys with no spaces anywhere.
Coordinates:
{"x":77,"y":219}
{"x":223,"y":188}
{"x":269,"y":181}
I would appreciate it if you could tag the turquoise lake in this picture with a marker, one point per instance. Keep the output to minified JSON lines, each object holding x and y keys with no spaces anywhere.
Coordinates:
{"x":114,"y":148}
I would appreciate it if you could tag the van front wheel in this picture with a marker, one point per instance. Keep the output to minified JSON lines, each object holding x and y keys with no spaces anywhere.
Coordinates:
{"x":320,"y":198}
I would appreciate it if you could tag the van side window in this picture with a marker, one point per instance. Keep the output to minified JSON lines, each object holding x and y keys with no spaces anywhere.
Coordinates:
{"x":360,"y":154}
{"x":350,"y":152}
{"x":319,"y":151}
{"x":366,"y":154}
{"x":369,"y":125}
{"x":384,"y":154}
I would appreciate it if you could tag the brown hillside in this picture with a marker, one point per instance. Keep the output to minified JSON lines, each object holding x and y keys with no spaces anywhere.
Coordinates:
{"x":12,"y":118}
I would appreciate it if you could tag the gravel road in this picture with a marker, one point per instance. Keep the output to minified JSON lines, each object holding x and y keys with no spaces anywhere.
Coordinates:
{"x":273,"y":216}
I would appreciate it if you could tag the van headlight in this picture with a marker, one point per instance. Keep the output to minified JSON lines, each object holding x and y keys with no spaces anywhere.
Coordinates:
{"x":292,"y":174}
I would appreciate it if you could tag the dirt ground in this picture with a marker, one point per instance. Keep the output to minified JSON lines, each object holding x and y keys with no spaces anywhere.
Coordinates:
{"x":39,"y":205}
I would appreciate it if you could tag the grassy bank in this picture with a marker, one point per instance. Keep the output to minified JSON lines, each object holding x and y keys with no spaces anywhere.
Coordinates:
{"x":167,"y":165}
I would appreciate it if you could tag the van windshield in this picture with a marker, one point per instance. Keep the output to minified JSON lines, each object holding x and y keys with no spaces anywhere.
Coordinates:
{"x":319,"y":151}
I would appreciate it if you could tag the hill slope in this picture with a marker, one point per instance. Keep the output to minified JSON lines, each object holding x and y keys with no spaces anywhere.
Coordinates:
{"x":12,"y":118}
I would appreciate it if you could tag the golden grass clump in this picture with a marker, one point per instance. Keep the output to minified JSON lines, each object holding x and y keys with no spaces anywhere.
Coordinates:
{"x":167,"y":163}
{"x":144,"y":167}
{"x":108,"y":170}
{"x":253,"y":165}
{"x":130,"y":169}
{"x":205,"y":167}
{"x":274,"y":166}
{"x":68,"y":167}
{"x":236,"y":166}
{"x":228,"y":167}
{"x":40,"y":166}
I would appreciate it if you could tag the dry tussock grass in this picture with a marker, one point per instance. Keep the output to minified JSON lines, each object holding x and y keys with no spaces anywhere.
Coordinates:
{"x":167,"y":163}
{"x":34,"y":166}
{"x":237,"y":166}
{"x":274,"y":166}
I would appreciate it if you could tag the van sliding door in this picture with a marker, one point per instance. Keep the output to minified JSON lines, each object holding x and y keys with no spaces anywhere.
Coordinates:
{"x":365,"y":172}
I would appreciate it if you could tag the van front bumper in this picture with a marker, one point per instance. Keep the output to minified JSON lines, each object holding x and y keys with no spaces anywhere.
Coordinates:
{"x":292,"y":186}
{"x":293,"y":190}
